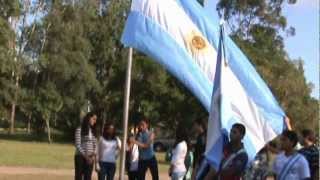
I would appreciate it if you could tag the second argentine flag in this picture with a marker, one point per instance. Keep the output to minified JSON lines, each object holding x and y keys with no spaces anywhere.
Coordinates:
{"x":162,"y":30}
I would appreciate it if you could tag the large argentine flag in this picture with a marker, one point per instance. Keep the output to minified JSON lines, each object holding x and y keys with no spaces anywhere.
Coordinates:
{"x":179,"y":35}
{"x":164,"y":31}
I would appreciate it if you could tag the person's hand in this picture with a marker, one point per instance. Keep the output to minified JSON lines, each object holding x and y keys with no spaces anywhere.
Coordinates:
{"x":152,"y":136}
{"x":97,"y":167}
{"x":88,"y":159}
{"x":131,"y":140}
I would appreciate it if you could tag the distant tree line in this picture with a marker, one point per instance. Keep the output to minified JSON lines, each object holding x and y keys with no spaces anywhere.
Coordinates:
{"x":59,"y":58}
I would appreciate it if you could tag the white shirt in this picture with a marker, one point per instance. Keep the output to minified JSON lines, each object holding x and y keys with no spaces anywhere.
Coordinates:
{"x":299,"y":169}
{"x":134,"y":161}
{"x":108,"y":150}
{"x":178,"y":155}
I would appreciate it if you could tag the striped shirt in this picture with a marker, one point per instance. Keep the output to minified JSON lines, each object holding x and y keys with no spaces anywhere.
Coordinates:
{"x":85,"y":144}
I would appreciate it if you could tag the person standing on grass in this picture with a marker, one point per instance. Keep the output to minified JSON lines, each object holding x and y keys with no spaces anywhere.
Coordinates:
{"x":289,"y":164}
{"x":147,"y":158}
{"x":200,"y":165}
{"x":107,"y":153}
{"x":85,"y":142}
{"x":132,"y":159}
{"x":177,"y":169}
{"x":311,"y":152}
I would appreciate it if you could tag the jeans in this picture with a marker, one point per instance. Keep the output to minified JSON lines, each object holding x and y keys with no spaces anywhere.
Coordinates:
{"x":152,"y":165}
{"x":178,"y":175}
{"x":133,"y":175}
{"x":203,"y":170}
{"x":83,"y":170}
{"x":106,"y":170}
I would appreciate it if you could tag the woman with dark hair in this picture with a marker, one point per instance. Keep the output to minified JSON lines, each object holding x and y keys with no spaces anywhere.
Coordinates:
{"x":107,"y":152}
{"x":178,"y":169}
{"x":85,"y":142}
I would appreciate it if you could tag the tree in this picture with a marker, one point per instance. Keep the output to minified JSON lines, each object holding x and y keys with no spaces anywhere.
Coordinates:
{"x":65,"y":76}
{"x":256,"y":27}
{"x":8,"y":11}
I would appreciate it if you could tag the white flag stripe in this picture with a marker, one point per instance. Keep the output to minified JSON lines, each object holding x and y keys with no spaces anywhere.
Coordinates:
{"x":172,"y":18}
{"x":244,"y":110}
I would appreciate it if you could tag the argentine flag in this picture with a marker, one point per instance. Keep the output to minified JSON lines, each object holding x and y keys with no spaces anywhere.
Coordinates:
{"x":180,"y":36}
{"x":164,"y":31}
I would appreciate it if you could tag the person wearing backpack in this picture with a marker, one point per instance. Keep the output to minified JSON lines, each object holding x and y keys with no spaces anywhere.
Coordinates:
{"x":289,"y":164}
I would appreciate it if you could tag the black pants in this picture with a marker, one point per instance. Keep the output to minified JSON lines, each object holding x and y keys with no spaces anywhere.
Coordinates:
{"x":133,"y":175}
{"x":152,"y":165}
{"x":83,"y":170}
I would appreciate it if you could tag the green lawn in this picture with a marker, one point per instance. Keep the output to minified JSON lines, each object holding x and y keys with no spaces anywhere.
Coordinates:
{"x":44,"y":155}
{"x":33,"y":154}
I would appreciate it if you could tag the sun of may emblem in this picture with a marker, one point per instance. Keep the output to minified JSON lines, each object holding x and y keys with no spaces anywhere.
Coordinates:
{"x":198,"y":42}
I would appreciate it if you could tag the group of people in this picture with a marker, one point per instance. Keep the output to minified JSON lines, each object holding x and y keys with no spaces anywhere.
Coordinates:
{"x":102,"y":154}
{"x":187,"y":161}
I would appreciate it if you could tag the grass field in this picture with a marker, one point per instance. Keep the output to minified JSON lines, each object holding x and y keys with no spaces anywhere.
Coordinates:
{"x":54,"y":156}
{"x":33,"y":154}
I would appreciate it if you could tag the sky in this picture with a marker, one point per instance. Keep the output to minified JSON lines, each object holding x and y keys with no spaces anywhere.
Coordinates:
{"x":304,"y":17}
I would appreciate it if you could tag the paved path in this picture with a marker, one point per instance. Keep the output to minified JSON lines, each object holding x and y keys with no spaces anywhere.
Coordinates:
{"x":5,"y":170}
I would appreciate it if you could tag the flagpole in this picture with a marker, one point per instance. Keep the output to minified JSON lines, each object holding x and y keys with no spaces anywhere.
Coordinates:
{"x":125,"y":116}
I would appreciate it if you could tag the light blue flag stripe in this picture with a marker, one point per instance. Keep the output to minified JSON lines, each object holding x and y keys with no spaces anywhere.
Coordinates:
{"x":240,"y":65}
{"x":148,"y":37}
{"x":216,"y":132}
{"x":221,"y":119}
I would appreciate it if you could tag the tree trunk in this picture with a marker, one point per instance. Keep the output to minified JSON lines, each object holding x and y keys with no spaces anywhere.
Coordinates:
{"x":29,"y":124}
{"x":48,"y":130}
{"x":13,"y":107}
{"x":13,"y":112}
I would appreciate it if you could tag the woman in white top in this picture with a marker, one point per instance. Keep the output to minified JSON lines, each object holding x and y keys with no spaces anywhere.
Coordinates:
{"x":178,"y":169}
{"x":107,"y":153}
{"x":132,"y":160}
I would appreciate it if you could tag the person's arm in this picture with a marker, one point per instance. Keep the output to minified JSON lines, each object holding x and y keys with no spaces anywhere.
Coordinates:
{"x":78,"y":145}
{"x":288,"y":123}
{"x":147,"y":144}
{"x":98,"y":150}
{"x":118,"y":143}
{"x":78,"y":141}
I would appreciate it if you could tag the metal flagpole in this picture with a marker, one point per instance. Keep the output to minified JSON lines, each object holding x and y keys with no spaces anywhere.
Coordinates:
{"x":125,"y":116}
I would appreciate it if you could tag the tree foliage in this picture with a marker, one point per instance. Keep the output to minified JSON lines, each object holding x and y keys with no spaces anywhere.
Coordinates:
{"x":73,"y":60}
{"x":257,"y":27}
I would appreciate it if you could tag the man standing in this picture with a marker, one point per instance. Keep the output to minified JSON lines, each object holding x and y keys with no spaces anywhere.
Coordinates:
{"x":289,"y":164}
{"x":235,"y":157}
{"x":200,"y":165}
{"x":310,"y":152}
{"x":147,"y":157}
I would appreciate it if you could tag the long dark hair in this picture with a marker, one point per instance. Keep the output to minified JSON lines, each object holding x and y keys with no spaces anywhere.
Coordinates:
{"x":181,"y":135}
{"x":85,"y":126}
{"x":104,"y":133}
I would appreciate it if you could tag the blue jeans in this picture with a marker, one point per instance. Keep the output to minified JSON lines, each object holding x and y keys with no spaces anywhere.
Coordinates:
{"x":106,"y":170}
{"x":178,"y":175}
